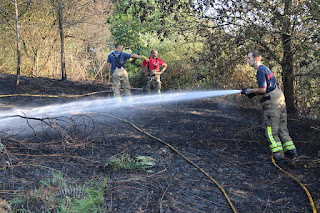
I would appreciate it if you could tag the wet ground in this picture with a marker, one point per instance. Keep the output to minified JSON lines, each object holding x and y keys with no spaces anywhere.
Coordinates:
{"x":223,"y":139}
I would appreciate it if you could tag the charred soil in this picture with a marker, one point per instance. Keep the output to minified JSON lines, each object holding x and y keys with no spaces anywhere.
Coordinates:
{"x":225,"y":140}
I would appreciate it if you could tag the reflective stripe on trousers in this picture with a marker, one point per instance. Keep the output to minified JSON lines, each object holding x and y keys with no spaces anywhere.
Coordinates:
{"x":274,"y":146}
{"x":288,"y":146}
{"x":275,"y":120}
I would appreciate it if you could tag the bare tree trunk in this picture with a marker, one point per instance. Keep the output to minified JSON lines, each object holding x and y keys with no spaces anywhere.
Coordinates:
{"x":63,"y":63}
{"x":288,"y":75}
{"x":287,"y":62}
{"x":18,"y":42}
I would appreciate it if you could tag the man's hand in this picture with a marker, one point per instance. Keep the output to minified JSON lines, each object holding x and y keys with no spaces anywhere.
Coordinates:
{"x":145,"y":58}
{"x":245,"y":91}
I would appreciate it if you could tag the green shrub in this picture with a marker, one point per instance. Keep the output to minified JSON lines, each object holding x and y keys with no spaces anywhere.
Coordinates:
{"x":56,"y":195}
{"x":125,"y":161}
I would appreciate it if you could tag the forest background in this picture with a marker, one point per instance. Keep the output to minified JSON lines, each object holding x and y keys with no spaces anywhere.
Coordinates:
{"x":204,"y":42}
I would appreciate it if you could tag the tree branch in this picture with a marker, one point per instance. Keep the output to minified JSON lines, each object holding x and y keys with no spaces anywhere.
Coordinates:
{"x":4,"y":10}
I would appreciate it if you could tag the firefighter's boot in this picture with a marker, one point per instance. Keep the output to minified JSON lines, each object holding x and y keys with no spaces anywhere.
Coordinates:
{"x":291,"y":153}
{"x":278,"y":156}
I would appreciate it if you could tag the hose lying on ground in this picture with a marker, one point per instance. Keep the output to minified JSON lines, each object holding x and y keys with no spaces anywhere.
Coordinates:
{"x":53,"y":96}
{"x":182,"y":156}
{"x":301,"y":184}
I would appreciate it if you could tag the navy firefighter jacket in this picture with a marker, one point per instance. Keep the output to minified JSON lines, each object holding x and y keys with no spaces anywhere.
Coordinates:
{"x":266,"y":78}
{"x":115,"y":57}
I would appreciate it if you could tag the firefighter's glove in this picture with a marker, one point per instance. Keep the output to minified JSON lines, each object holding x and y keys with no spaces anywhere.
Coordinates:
{"x":245,"y":91}
{"x":145,"y":58}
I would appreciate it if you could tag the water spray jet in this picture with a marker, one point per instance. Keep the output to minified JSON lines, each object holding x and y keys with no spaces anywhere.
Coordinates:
{"x":9,"y":117}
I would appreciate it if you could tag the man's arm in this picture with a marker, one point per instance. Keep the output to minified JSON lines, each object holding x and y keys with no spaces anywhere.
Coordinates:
{"x":143,"y":66}
{"x":164,"y":67}
{"x":108,"y":66}
{"x":261,"y":90}
{"x":139,"y":56}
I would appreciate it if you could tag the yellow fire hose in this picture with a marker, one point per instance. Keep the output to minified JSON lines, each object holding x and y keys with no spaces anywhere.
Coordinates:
{"x":301,"y":184}
{"x":182,"y":156}
{"x":49,"y":96}
{"x":53,"y":96}
{"x":207,"y":175}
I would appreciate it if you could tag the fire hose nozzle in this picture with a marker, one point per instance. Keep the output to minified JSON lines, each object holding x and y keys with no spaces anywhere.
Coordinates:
{"x":245,"y":91}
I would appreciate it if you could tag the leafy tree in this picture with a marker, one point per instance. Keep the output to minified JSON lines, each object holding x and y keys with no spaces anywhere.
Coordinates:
{"x":17,"y":28}
{"x":74,"y":18}
{"x":59,"y":6}
{"x":163,"y":25}
{"x":85,"y":38}
{"x":283,"y":30}
{"x":151,"y":16}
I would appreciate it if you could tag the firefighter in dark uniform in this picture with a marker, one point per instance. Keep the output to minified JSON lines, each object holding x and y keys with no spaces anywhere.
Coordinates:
{"x":116,"y":65}
{"x":274,"y":109}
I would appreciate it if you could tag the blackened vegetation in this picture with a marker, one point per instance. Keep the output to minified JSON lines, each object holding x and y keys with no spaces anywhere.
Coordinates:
{"x":225,"y":140}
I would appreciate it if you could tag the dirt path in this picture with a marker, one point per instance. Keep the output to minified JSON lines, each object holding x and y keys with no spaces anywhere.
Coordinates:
{"x":223,"y":139}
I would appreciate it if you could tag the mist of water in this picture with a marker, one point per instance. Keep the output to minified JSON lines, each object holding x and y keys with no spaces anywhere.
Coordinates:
{"x":105,"y":105}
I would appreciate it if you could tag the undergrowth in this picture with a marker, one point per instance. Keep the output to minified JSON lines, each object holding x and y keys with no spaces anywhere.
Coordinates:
{"x":125,"y":161}
{"x":56,"y":195}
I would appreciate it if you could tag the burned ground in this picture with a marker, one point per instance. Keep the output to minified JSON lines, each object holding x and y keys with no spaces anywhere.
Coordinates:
{"x":223,"y":139}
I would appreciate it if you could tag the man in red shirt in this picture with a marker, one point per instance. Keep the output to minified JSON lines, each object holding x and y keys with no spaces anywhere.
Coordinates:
{"x":153,"y":72}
